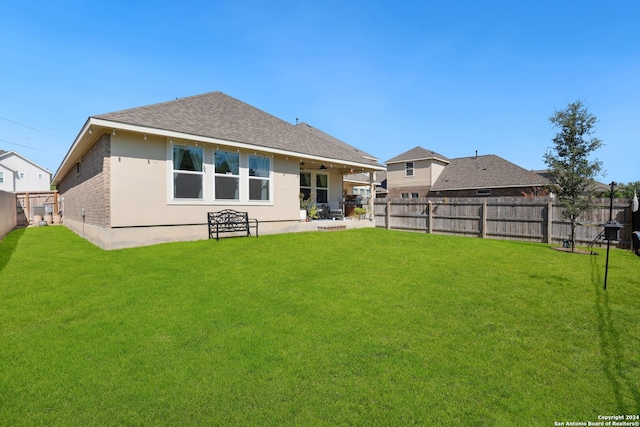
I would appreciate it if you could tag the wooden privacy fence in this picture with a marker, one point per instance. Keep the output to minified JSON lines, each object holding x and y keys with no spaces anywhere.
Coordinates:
{"x":36,"y":203}
{"x":511,"y":218}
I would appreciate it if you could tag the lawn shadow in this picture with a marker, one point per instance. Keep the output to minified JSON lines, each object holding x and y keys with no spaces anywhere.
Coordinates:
{"x":611,"y":347}
{"x":8,"y":246}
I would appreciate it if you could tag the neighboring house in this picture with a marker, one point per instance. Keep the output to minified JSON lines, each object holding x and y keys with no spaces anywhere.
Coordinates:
{"x":433,"y":175}
{"x":150,"y":174}
{"x":486,"y":175}
{"x":358,"y":184}
{"x":20,"y":175}
{"x":411,"y":174}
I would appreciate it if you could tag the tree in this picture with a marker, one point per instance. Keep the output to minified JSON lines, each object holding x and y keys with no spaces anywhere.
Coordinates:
{"x":573,"y":172}
{"x":627,"y":191}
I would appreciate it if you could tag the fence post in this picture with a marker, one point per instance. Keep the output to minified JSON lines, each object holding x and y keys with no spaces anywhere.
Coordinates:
{"x":484,"y":219}
{"x":388,"y":215}
{"x":549,"y":221}
{"x":429,"y":217}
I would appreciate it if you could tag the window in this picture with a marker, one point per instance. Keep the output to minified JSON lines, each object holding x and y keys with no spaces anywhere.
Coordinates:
{"x":78,"y":167}
{"x":305,"y":184}
{"x":405,"y":195}
{"x":21,"y":175}
{"x":259,"y":177}
{"x":187,"y":172}
{"x":408,"y":169}
{"x":227,"y":176}
{"x":40,"y":176}
{"x":1,"y":177}
{"x":483,"y":192}
{"x":322,"y":188}
{"x":414,"y":195}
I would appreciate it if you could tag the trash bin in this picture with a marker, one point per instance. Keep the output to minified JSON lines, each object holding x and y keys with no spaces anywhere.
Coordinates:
{"x":635,"y":237}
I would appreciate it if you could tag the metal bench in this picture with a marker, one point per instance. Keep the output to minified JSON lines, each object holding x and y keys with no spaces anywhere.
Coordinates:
{"x":229,"y":221}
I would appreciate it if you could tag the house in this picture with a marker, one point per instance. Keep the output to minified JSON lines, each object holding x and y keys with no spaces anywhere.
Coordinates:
{"x":20,"y":175}
{"x":412,"y":173}
{"x":486,"y":175}
{"x":150,"y":174}
{"x":357,"y":184}
{"x":425,"y":173}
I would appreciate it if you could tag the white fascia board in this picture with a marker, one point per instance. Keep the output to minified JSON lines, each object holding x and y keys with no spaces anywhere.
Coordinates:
{"x":76,"y":142}
{"x":15,"y":153}
{"x":235,"y":144}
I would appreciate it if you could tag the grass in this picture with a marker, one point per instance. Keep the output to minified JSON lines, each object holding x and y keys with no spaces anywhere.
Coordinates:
{"x":362,"y":327}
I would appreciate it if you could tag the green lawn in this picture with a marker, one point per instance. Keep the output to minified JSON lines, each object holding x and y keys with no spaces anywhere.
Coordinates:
{"x":362,"y":327}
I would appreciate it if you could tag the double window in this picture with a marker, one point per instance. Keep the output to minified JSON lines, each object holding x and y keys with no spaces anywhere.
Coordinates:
{"x":1,"y":177}
{"x":321,"y":187}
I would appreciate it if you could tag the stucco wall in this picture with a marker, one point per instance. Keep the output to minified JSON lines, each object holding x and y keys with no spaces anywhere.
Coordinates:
{"x":125,"y":185}
{"x":141,"y":186}
{"x":8,"y":217}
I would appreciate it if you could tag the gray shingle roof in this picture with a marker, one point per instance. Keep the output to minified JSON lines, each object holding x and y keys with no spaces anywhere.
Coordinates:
{"x":417,"y":153}
{"x":488,"y":171}
{"x":217,"y":115}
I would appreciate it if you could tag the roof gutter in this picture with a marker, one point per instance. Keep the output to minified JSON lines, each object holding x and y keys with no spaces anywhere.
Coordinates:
{"x":107,"y":124}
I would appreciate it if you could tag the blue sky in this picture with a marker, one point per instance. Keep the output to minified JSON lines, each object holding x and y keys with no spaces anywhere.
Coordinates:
{"x":453,"y":77}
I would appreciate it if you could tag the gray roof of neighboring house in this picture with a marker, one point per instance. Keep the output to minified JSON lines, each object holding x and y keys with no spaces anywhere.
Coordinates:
{"x":2,"y":152}
{"x":417,"y":153}
{"x":217,"y":115}
{"x":488,"y":171}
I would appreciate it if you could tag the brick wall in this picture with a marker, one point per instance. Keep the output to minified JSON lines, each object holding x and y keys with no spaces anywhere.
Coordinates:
{"x":88,"y":188}
{"x":396,"y":192}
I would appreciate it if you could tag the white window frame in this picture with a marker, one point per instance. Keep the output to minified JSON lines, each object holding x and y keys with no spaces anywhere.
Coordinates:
{"x":1,"y":177}
{"x":313,"y":189}
{"x":185,"y":172}
{"x":315,"y":183}
{"x":20,"y":175}
{"x":237,"y":177}
{"x":40,"y":176}
{"x":409,"y":169}
{"x":267,"y":178}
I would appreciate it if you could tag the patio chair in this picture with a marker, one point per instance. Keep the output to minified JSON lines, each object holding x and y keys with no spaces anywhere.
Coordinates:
{"x":324,"y":211}
{"x":335,"y":212}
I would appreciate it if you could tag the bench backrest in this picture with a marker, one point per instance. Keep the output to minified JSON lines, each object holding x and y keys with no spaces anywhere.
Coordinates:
{"x":229,"y":220}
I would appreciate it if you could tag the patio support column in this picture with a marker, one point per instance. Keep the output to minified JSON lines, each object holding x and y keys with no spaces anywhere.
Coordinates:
{"x":372,"y":188}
